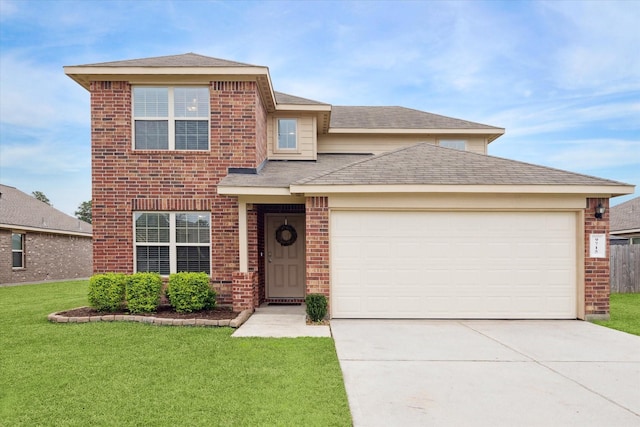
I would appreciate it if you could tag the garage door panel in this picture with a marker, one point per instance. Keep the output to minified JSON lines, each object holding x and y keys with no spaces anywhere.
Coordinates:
{"x":453,"y":264}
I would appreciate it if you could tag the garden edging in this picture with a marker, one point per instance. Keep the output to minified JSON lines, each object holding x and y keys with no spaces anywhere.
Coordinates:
{"x":233,"y":323}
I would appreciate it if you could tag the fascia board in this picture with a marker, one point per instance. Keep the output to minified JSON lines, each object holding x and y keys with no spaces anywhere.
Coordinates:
{"x":16,"y":227}
{"x":496,"y":131}
{"x":297,"y":107}
{"x":593,"y":191}
{"x":253,"y":191}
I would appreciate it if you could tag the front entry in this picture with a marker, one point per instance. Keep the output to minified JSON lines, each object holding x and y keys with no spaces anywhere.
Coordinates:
{"x":285,"y":256}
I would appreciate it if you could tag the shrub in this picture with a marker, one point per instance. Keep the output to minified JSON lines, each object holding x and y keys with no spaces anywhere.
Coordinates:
{"x":143,"y":292}
{"x":189,"y":292}
{"x":107,"y":291}
{"x":316,"y":306}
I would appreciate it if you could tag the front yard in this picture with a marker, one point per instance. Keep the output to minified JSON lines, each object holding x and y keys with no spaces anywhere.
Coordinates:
{"x":625,"y":313}
{"x":129,"y":374}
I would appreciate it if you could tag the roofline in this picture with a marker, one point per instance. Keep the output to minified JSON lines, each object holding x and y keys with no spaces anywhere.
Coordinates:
{"x":489,"y":131}
{"x":44,"y":230}
{"x":303,"y":107}
{"x":591,"y":190}
{"x":253,"y":191}
{"x":625,"y":231}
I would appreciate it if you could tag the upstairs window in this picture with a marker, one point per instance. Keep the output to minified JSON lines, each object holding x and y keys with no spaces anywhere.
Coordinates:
{"x":17,"y":250}
{"x":172,"y":242}
{"x":171,"y":118}
{"x":287,"y":134}
{"x":456,"y":144}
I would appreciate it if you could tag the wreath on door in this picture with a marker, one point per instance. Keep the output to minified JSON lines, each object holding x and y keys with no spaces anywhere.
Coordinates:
{"x":286,"y":235}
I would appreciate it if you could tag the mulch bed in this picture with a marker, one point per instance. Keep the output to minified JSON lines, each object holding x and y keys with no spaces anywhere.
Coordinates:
{"x":165,"y":312}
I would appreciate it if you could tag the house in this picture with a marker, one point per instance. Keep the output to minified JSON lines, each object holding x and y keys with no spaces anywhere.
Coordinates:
{"x":625,"y":223}
{"x":38,"y":242}
{"x":200,"y":165}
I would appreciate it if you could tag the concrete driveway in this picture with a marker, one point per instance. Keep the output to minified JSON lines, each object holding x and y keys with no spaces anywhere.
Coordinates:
{"x":488,"y":373}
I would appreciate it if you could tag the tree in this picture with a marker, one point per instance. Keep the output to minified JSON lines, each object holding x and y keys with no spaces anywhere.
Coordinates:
{"x":40,"y":196}
{"x":84,"y":212}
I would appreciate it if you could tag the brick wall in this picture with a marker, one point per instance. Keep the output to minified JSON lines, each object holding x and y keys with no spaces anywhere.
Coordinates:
{"x":47,"y":257}
{"x":596,"y":270}
{"x":317,"y":256}
{"x":125,"y":180}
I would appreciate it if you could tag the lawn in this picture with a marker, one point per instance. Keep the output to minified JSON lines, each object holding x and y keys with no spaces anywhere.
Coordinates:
{"x":128,"y":374}
{"x":625,"y":313}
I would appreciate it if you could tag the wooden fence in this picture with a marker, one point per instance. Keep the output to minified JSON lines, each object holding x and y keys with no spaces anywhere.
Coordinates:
{"x":625,"y":268}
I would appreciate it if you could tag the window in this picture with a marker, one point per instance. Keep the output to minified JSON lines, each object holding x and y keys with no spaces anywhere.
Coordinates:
{"x":635,"y":240}
{"x":168,"y":242}
{"x":456,"y":144}
{"x":17,"y":250}
{"x":171,"y":118}
{"x":287,"y":134}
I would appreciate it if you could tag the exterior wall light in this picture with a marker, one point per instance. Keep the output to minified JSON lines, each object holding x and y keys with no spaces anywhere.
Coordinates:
{"x":600,"y":210}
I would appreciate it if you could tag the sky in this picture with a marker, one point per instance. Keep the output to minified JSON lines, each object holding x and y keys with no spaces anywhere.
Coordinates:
{"x":562,"y":77}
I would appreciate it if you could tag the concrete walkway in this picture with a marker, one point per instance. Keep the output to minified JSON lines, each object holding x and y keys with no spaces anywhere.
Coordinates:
{"x":488,"y":373}
{"x":280,"y":321}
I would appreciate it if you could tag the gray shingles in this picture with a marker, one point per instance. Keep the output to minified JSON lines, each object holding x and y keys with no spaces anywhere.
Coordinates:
{"x":285,"y":98}
{"x":20,"y":209}
{"x":625,"y":216}
{"x":184,"y":60}
{"x":426,"y":164}
{"x":345,"y":117}
{"x":282,"y":173}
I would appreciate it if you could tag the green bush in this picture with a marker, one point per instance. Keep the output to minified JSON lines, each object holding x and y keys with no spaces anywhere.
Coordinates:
{"x":143,"y":292}
{"x":316,"y":306}
{"x":189,"y":292}
{"x":107,"y":291}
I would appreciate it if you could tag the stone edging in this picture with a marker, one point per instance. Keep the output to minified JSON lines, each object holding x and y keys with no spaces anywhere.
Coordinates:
{"x":233,"y":323}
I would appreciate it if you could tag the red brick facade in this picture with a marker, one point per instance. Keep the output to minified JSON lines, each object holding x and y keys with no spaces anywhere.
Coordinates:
{"x":245,"y":291}
{"x":596,"y":270}
{"x":127,"y":180}
{"x":317,"y":230}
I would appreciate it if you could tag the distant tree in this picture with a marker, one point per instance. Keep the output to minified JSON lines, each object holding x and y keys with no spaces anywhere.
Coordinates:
{"x":84,"y":212}
{"x":41,"y":196}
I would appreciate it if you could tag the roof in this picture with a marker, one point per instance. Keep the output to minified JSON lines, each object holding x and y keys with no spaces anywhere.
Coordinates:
{"x":625,"y":216}
{"x":427,"y":164}
{"x":20,"y":210}
{"x":282,"y":173}
{"x":184,"y":60}
{"x":397,"y":118}
{"x":285,"y":98}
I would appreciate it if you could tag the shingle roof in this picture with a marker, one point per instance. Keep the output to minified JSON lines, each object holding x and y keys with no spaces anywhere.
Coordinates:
{"x":625,"y":216}
{"x":184,"y":60}
{"x":282,"y":173}
{"x":285,"y":98}
{"x":427,"y":164}
{"x":346,"y":117}
{"x":22,"y":210}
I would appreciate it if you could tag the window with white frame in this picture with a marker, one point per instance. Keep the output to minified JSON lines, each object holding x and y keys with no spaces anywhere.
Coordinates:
{"x":287,"y":134}
{"x":17,"y":250}
{"x":171,"y":118}
{"x":172,"y":242}
{"x":456,"y":144}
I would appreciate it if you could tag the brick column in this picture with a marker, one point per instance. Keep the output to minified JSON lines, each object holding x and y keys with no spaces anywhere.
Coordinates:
{"x":245,"y":291}
{"x":596,"y":270}
{"x":317,"y":241}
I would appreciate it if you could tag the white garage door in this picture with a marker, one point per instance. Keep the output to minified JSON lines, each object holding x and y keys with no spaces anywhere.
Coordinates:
{"x":500,"y":265}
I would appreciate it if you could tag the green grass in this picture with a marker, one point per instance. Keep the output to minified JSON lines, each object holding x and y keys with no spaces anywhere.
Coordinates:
{"x":126,"y":374}
{"x":625,"y":313}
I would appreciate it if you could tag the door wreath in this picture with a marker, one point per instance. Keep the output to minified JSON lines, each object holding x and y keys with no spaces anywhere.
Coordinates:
{"x":286,"y":235}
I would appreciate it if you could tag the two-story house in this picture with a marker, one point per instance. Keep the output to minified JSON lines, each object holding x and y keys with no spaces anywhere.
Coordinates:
{"x":198,"y":164}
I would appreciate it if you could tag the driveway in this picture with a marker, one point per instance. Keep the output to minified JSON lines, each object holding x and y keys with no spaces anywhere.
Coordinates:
{"x":488,"y":373}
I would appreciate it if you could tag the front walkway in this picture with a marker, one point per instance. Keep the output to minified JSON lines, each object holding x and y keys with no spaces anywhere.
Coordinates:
{"x":280,"y":321}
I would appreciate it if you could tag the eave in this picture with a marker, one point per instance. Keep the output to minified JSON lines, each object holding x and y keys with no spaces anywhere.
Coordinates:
{"x":491,"y":134}
{"x":16,"y":227}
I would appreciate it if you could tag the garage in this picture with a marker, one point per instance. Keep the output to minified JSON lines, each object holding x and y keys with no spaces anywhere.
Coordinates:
{"x":461,"y":264}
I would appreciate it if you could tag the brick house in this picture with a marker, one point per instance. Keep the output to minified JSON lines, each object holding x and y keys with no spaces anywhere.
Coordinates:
{"x":200,"y":165}
{"x":38,"y":242}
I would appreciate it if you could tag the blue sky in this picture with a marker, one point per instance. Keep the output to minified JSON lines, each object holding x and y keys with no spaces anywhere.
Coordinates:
{"x":563,"y":78}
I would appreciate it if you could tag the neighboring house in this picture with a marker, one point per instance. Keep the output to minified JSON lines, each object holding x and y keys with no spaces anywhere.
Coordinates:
{"x":200,"y":165}
{"x":625,"y":223}
{"x":38,"y":242}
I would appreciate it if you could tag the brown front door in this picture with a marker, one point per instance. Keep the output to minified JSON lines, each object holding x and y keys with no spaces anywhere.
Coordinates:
{"x":285,"y":255}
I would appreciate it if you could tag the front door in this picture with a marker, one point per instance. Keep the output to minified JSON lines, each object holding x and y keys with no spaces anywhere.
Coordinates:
{"x":285,"y":255}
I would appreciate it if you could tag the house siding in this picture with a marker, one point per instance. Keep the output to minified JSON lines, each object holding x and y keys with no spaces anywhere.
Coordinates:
{"x":596,"y":270}
{"x":48,"y":256}
{"x":125,"y":180}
